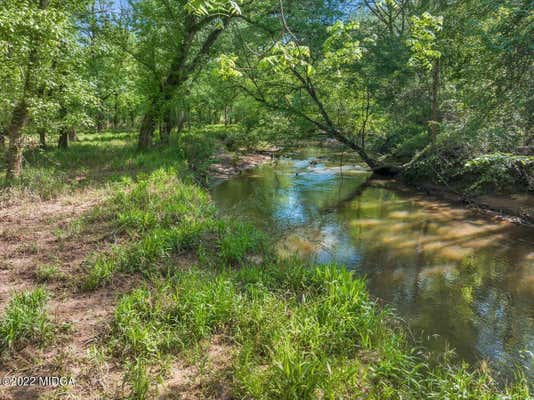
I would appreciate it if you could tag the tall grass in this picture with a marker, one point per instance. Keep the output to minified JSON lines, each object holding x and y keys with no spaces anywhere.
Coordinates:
{"x":162,"y":217}
{"x":299,"y":332}
{"x":25,"y":320}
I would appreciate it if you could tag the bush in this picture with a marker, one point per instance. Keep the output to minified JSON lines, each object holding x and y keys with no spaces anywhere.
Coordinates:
{"x":197,"y":148}
{"x":500,"y":171}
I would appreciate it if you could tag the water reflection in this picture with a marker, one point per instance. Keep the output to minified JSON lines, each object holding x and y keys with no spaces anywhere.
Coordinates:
{"x":458,"y":277}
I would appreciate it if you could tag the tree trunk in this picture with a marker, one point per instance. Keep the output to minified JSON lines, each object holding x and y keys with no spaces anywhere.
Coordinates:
{"x":14,"y":151}
{"x":166,"y":127}
{"x":180,"y":70}
{"x":72,"y":135}
{"x":147,"y":130}
{"x":100,"y":121}
{"x":182,"y":116}
{"x":116,"y":112}
{"x":435,"y":118}
{"x":63,"y":142}
{"x":20,"y":114}
{"x":42,"y":138}
{"x":3,"y":135}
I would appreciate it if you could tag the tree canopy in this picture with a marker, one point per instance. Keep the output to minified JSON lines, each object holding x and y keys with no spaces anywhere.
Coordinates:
{"x":397,"y":81}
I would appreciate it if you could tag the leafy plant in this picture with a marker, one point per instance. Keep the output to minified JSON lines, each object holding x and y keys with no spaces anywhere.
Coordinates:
{"x":25,"y":320}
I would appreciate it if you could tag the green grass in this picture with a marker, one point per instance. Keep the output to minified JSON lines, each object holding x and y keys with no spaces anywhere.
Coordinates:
{"x":25,"y":320}
{"x":93,"y":161}
{"x":296,"y":331}
{"x":48,"y":273}
{"x":292,"y":330}
{"x":300,"y":332}
{"x":162,"y":217}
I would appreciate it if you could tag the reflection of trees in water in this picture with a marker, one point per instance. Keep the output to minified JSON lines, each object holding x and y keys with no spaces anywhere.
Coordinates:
{"x":277,"y":199}
{"x":447,"y":271}
{"x":473,"y":303}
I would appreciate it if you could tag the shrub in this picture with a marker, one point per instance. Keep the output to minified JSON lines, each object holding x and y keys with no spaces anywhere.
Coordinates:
{"x":197,"y":148}
{"x":501,"y":170}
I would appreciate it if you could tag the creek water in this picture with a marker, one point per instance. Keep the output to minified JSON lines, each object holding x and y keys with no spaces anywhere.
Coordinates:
{"x":459,"y":279}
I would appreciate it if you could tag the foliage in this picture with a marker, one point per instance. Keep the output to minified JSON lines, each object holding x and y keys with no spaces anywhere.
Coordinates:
{"x":25,"y":320}
{"x":164,"y":217}
{"x":368,"y":76}
{"x":423,"y":40}
{"x":501,"y":170}
{"x":197,"y":148}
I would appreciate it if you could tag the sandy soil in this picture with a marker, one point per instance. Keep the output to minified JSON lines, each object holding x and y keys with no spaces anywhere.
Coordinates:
{"x":37,"y":233}
{"x":228,"y":165}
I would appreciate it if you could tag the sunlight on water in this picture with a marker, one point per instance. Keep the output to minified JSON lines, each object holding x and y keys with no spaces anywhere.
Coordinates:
{"x":458,"y":277}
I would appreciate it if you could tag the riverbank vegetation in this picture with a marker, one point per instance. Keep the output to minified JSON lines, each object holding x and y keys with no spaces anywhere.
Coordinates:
{"x":116,"y":267}
{"x":432,"y":91}
{"x":188,"y":301}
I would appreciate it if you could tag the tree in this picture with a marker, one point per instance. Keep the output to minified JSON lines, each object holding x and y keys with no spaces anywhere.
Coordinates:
{"x":288,"y":77}
{"x":27,"y":28}
{"x":171,"y":40}
{"x":34,"y":35}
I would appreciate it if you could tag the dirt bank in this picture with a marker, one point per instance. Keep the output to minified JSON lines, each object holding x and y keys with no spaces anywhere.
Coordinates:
{"x":517,"y":208}
{"x":231,"y":164}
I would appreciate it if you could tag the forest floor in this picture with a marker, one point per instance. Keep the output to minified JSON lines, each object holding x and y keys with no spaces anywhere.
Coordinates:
{"x":40,"y":244}
{"x":100,"y":227}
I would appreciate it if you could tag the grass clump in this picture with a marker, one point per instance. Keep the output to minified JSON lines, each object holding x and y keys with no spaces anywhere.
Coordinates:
{"x":25,"y":320}
{"x":160,"y":217}
{"x":48,"y":273}
{"x":297,"y":332}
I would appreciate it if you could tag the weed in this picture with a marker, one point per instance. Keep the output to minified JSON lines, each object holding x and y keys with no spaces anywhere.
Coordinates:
{"x":25,"y":320}
{"x":48,"y":273}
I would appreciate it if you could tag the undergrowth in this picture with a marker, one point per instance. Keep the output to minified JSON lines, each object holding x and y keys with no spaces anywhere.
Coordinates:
{"x":25,"y":320}
{"x":293,"y":331}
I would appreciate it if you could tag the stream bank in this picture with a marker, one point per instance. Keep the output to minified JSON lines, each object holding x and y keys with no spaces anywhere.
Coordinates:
{"x":449,"y":270}
{"x":517,"y":208}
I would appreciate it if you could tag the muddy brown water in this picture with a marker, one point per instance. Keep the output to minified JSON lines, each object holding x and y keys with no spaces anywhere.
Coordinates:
{"x":459,"y":279}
